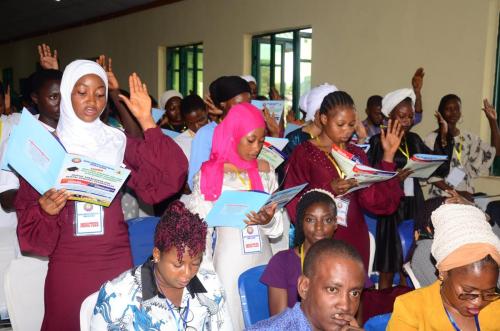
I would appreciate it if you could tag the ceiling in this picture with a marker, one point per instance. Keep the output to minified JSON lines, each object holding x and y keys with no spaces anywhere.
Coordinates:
{"x":27,"y":18}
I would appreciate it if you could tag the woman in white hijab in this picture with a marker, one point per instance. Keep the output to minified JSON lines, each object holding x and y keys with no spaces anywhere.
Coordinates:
{"x":78,"y":264}
{"x":310,"y":103}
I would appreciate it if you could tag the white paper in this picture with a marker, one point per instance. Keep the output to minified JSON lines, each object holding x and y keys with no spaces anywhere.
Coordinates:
{"x":455,"y":177}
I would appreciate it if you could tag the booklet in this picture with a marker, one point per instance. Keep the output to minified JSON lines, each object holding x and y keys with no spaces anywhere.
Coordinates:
{"x":354,"y":169}
{"x":424,"y":165}
{"x":271,"y":151}
{"x":41,"y":160}
{"x":275,"y":107}
{"x":232,"y":206}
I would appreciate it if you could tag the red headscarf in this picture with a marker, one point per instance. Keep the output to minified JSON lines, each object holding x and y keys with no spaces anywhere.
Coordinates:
{"x":241,"y":119}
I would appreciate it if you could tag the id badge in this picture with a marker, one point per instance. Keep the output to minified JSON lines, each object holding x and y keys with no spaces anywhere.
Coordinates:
{"x":455,"y":177}
{"x":89,"y":219}
{"x":251,"y":239}
{"x":409,"y":187}
{"x":342,"y":208}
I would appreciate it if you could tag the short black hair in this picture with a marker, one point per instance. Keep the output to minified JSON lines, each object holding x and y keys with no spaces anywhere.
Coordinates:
{"x":306,"y":200}
{"x":336,"y":99}
{"x":374,"y":100}
{"x":190,"y":103}
{"x":40,"y":77}
{"x":328,"y":246}
{"x":444,"y":100}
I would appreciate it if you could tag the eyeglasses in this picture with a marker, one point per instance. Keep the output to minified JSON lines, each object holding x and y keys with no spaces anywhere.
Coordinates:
{"x":473,"y":296}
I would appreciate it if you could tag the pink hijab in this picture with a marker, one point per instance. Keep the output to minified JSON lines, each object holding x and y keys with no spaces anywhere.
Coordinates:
{"x":241,"y":119}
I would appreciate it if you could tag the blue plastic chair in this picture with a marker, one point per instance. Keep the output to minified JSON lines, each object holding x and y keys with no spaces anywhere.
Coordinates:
{"x":253,"y":296}
{"x":377,"y":323}
{"x":141,"y":232}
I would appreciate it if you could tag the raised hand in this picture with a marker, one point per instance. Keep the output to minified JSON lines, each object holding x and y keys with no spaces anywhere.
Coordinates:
{"x":53,"y":201}
{"x":263,"y":217}
{"x":47,"y":59}
{"x":417,"y":80}
{"x":391,"y":139}
{"x":8,"y":101}
{"x":360,"y":131}
{"x":272,"y":125}
{"x":489,"y":110}
{"x":139,"y":102}
{"x":274,"y":94}
{"x":341,"y":186}
{"x":212,"y":109}
{"x":112,"y":81}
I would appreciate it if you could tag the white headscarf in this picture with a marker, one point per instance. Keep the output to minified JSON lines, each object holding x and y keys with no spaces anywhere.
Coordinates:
{"x":167,"y":95}
{"x":249,"y":78}
{"x":311,"y":101}
{"x":392,"y":99}
{"x":95,"y":140}
{"x":457,"y":226}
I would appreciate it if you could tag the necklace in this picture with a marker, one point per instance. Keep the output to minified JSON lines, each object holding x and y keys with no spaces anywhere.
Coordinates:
{"x":172,"y":308}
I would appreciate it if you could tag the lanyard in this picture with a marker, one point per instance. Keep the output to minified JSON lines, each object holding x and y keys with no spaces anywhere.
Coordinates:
{"x":455,"y":326}
{"x":246,"y":183}
{"x":181,"y":318}
{"x":332,"y":160}
{"x":302,"y":257}
{"x":1,"y":128}
{"x":406,"y":152}
{"x":458,"y":150}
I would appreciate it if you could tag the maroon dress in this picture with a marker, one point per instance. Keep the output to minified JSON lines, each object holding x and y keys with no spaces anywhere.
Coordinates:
{"x":309,"y":164}
{"x":79,"y":265}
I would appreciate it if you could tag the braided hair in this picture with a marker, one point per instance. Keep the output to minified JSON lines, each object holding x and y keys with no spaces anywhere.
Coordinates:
{"x":181,"y":229}
{"x":334,"y":100}
{"x":309,"y":198}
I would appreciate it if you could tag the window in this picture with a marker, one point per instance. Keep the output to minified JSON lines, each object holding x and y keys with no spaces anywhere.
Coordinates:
{"x":283,"y":60}
{"x":185,"y":69}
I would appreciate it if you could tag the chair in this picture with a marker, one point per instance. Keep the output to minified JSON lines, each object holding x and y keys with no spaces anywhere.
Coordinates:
{"x":86,"y":311}
{"x":372,"y":253}
{"x":411,"y":274}
{"x":253,"y":296}
{"x":377,"y":323}
{"x":407,"y":235}
{"x":141,"y":233}
{"x":24,"y":289}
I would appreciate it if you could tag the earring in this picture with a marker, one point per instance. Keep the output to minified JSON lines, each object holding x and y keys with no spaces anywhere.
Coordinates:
{"x":155,"y":260}
{"x":441,"y":277}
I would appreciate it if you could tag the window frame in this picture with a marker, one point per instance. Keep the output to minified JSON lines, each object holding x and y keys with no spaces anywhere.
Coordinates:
{"x":259,"y":39}
{"x":183,"y":71}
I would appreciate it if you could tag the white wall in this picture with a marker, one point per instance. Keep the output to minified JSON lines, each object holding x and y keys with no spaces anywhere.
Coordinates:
{"x":363,"y":46}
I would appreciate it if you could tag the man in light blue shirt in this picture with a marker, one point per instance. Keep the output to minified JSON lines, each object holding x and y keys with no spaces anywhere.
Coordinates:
{"x":225,"y":91}
{"x":330,"y":287}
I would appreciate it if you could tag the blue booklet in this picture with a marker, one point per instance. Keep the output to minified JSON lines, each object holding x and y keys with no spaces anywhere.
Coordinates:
{"x":232,"y":206}
{"x":42,"y":161}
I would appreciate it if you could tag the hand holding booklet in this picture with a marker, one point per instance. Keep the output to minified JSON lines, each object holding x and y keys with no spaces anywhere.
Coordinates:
{"x":42,"y":161}
{"x":232,"y":206}
{"x":272,"y":151}
{"x":275,"y":107}
{"x":352,"y":168}
{"x":424,"y":165}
